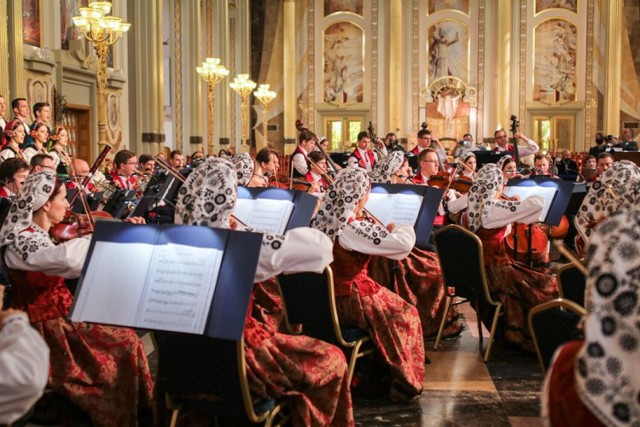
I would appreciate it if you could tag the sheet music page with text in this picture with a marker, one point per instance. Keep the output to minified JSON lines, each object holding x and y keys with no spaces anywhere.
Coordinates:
{"x":179,"y":288}
{"x":266,"y":215}
{"x":395,"y":208}
{"x":546,"y":192}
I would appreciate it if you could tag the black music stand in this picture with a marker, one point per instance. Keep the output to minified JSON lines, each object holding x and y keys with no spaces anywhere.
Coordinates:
{"x":431,"y":197}
{"x":484,"y":157}
{"x":93,"y":200}
{"x":632,"y":156}
{"x":225,"y":317}
{"x":304,"y":203}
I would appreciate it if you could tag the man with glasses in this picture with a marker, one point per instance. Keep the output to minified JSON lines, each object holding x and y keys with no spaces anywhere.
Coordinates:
{"x":42,"y":162}
{"x":126,"y":164}
{"x":502,"y":144}
{"x":427,"y":140}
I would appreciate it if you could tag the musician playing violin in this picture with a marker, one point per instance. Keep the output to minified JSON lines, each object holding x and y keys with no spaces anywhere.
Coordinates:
{"x":541,"y":166}
{"x":428,"y":165}
{"x":318,"y":173}
{"x":469,"y":159}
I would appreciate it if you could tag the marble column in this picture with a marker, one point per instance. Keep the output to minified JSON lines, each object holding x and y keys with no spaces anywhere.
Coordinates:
{"x":395,"y":64}
{"x":4,"y":59}
{"x":193,"y":103}
{"x":614,"y":56}
{"x":289,"y":75}
{"x":223,"y":91}
{"x":17,"y":86}
{"x":146,"y":68}
{"x":504,"y":58}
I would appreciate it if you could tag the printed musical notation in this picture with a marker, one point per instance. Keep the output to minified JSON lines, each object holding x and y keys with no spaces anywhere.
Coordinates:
{"x":395,"y":208}
{"x":266,"y":215}
{"x":548,"y":193}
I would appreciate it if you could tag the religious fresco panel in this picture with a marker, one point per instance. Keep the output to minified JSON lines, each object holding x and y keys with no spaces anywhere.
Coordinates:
{"x":353,"y":6}
{"x":555,"y":61}
{"x":571,"y":5}
{"x":438,"y":5}
{"x":448,"y":50}
{"x":69,"y":9}
{"x":343,"y":64}
{"x":31,"y":22}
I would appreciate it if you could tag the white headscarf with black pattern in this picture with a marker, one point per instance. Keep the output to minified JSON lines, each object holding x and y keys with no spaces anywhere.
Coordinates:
{"x":36,"y":191}
{"x":386,"y":167}
{"x":482,"y":195}
{"x":349,"y":187}
{"x":628,"y":196}
{"x":502,"y":161}
{"x":608,"y":365}
{"x":600,"y":199}
{"x":245,"y":167}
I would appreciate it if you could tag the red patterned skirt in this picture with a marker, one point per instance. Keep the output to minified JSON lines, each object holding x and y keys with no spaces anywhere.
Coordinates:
{"x":417,"y":279}
{"x":310,"y":373}
{"x":101,"y":369}
{"x":396,"y":332}
{"x":268,"y":307}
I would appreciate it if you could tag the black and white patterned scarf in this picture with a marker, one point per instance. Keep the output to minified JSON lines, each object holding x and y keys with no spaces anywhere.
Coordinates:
{"x":608,"y":369}
{"x":244,"y":168}
{"x":386,"y":167}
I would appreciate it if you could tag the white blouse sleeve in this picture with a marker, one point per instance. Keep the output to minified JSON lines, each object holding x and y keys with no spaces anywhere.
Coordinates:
{"x":24,"y":367}
{"x":65,"y":259}
{"x":28,"y":153}
{"x":531,"y":148}
{"x":500,"y":214}
{"x":299,"y":250}
{"x":364,"y":237}
{"x":300,"y":164}
{"x":458,"y":204}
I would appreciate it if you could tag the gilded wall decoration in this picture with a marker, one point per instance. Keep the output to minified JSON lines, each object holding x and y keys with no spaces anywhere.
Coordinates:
{"x":448,"y":51}
{"x":39,"y":90}
{"x":555,"y":61}
{"x":571,"y":5}
{"x":343,"y":64}
{"x":449,"y":103}
{"x":69,"y":9}
{"x":114,"y":119}
{"x":599,"y":57}
{"x":353,"y":6}
{"x":31,"y":22}
{"x":438,"y":5}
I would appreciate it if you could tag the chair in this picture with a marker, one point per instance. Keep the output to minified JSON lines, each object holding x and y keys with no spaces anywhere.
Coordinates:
{"x":209,"y":376}
{"x":552,"y":324}
{"x":572,"y":284}
{"x":309,"y":301}
{"x":468,"y":281}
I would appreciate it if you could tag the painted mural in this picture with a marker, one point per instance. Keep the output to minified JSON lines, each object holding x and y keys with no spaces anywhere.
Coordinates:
{"x":555,"y":61}
{"x":343,"y":64}
{"x":438,"y":5}
{"x":448,"y":50}
{"x":31,"y":22}
{"x":333,"y":6}
{"x":630,"y":67}
{"x":69,"y":9}
{"x":571,"y":5}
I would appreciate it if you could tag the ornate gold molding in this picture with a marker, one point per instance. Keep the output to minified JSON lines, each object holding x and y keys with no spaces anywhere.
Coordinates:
{"x":590,"y":91}
{"x":232,"y":72}
{"x":395,"y":62}
{"x":522,"y":83}
{"x":16,"y":69}
{"x":311,"y":66}
{"x":415,"y":74}
{"x":177,"y":70}
{"x":209,"y":27}
{"x":614,"y":54}
{"x":4,"y":47}
{"x":480,"y":84}
{"x":374,"y":63}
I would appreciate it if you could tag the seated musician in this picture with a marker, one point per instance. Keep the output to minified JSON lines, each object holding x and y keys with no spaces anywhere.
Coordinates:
{"x":318,"y":173}
{"x":605,"y":161}
{"x":13,"y":173}
{"x":541,"y":166}
{"x":268,"y":163}
{"x":362,"y":156}
{"x":518,"y":287}
{"x":249,"y":173}
{"x":470,"y":165}
{"x":306,"y":143}
{"x":41,"y":162}
{"x":502,"y":144}
{"x":418,"y":277}
{"x":589,"y":169}
{"x":427,"y":140}
{"x":147,"y":165}
{"x":310,"y":372}
{"x":61,"y":159}
{"x":428,"y":167}
{"x":595,"y":381}
{"x":101,"y":369}
{"x":125,"y":163}
{"x":393,"y":324}
{"x":79,"y":172}
{"x":176,"y":159}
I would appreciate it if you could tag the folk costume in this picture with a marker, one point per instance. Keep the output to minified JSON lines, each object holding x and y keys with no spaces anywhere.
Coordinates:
{"x":518,"y":287}
{"x":393,"y":324}
{"x":596,"y":381}
{"x":101,"y":369}
{"x":300,"y":162}
{"x":123,"y":182}
{"x":366,"y":159}
{"x":418,"y":277}
{"x":310,"y":373}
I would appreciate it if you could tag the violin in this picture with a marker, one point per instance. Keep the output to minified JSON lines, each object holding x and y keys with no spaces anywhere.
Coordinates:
{"x":300,"y":128}
{"x":285,"y":182}
{"x":75,"y":225}
{"x":539,"y":242}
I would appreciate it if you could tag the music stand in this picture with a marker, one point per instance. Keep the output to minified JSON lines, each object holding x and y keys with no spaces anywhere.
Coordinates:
{"x":431,"y":197}
{"x":93,"y":200}
{"x":304,"y":203}
{"x":484,"y":157}
{"x":225,"y":316}
{"x":632,"y":156}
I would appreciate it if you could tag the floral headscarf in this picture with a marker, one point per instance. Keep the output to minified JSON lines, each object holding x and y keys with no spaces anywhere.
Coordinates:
{"x":628,"y":196}
{"x":482,"y":195}
{"x":244,"y":166}
{"x":36,"y":191}
{"x":386,"y":167}
{"x":208,"y":195}
{"x":607,"y":373}
{"x":502,"y":161}
{"x":348,"y":188}
{"x":600,"y":199}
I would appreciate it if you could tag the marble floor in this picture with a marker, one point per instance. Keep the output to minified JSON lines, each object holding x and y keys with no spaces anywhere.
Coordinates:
{"x":461,"y":390}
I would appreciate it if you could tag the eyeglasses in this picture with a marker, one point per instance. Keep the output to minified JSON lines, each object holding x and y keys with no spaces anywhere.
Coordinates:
{"x":132,"y":163}
{"x":431,"y":161}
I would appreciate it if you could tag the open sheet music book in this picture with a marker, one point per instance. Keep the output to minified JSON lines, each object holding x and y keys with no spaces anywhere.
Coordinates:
{"x":167,"y":287}
{"x":395,"y":208}
{"x":548,"y":193}
{"x":266,"y":215}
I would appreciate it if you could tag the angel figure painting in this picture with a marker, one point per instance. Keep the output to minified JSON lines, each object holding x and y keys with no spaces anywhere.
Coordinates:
{"x":437,"y":5}
{"x":555,"y":61}
{"x":343,"y":64}
{"x":571,"y":5}
{"x":448,"y":50}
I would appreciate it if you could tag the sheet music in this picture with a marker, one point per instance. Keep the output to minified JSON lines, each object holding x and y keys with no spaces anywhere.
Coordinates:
{"x":395,"y":208}
{"x":546,"y":192}
{"x":160,"y":287}
{"x":267,"y":215}
{"x":179,"y":288}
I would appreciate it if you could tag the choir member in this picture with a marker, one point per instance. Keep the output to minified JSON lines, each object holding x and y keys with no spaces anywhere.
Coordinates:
{"x":21,"y":112}
{"x":101,"y":369}
{"x":518,"y":287}
{"x":393,"y":324}
{"x":311,"y":373}
{"x":13,"y":136}
{"x":418,"y":277}
{"x":61,"y":159}
{"x":39,"y":136}
{"x":596,"y":381}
